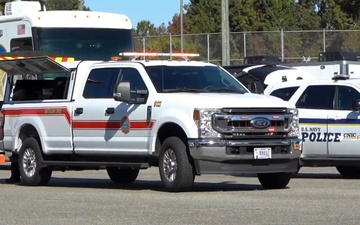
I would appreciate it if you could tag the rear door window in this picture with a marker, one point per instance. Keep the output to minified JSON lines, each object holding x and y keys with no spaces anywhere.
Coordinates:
{"x":345,"y":97}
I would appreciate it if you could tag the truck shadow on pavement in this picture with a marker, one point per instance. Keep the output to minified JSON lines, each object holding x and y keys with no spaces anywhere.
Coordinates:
{"x":140,"y":185}
{"x":319,"y":176}
{"x":307,"y":176}
{"x":152,"y":185}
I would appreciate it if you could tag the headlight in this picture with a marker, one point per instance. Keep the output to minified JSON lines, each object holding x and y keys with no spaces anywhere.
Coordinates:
{"x":294,"y":128}
{"x":203,"y":120}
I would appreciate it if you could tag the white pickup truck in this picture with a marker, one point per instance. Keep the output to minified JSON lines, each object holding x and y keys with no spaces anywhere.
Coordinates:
{"x":188,"y":118}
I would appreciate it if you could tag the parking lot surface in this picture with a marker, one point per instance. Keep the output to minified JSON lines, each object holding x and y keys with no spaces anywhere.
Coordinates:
{"x":316,"y":196}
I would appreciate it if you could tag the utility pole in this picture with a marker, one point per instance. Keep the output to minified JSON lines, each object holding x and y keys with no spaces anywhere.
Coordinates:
{"x":182,"y":25}
{"x":81,"y":5}
{"x":225,"y":32}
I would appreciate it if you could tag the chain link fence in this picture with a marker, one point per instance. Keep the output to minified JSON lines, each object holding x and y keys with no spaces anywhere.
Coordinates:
{"x":289,"y":46}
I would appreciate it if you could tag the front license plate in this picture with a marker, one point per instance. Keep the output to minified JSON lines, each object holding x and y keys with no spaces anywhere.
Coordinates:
{"x":262,"y":153}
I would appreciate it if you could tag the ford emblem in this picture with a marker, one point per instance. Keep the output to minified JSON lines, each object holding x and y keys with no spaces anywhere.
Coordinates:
{"x":260,"y":123}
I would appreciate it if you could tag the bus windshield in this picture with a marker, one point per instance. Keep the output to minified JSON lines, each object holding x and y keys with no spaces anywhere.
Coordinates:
{"x":84,"y":43}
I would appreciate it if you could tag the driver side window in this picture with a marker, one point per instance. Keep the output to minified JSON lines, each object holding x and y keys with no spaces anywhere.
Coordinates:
{"x":133,"y":76}
{"x":317,"y":97}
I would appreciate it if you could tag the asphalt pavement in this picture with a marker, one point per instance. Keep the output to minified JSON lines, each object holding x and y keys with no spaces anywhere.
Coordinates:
{"x":316,"y":196}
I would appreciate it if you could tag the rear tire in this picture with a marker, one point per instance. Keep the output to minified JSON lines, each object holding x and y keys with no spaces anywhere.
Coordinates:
{"x":349,"y":171}
{"x":122,"y":175}
{"x":274,"y":180}
{"x":30,"y":164}
{"x":175,"y":168}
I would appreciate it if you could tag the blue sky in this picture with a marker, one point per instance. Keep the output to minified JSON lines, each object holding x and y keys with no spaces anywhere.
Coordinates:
{"x":156,"y":11}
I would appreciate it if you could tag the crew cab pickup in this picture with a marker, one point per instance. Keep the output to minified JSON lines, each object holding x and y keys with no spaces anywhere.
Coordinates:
{"x":186,"y":117}
{"x":329,"y":120}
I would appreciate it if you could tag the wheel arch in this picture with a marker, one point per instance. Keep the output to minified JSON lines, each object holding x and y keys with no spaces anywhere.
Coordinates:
{"x":168,"y":129}
{"x":27,"y":130}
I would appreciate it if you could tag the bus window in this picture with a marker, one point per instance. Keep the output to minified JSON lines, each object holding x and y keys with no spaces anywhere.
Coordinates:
{"x":21,"y":44}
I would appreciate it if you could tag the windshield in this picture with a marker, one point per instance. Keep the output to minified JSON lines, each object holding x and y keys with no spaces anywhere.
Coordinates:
{"x":84,"y":43}
{"x":193,"y":79}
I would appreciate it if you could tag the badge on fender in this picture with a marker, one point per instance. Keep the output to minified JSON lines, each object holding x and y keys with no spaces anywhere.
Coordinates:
{"x":125,"y":125}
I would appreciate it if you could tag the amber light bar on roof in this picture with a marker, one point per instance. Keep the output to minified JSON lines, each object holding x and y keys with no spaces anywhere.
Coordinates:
{"x":138,"y":55}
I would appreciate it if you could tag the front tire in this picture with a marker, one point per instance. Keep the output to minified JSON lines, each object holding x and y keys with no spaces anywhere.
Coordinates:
{"x":175,"y":168}
{"x":30,"y":164}
{"x":122,"y":175}
{"x":349,"y":171}
{"x":274,"y":180}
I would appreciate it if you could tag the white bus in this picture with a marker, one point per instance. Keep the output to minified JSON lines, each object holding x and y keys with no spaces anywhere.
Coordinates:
{"x":26,"y":25}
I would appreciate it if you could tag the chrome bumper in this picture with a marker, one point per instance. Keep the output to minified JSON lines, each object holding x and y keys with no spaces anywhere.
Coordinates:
{"x":211,"y":156}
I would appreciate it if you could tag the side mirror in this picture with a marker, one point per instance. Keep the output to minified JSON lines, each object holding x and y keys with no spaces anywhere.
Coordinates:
{"x":122,"y":92}
{"x":256,"y":87}
{"x":356,"y":105}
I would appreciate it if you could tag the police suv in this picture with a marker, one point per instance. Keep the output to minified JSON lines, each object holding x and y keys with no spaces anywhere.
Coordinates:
{"x":186,"y":117}
{"x":329,"y":120}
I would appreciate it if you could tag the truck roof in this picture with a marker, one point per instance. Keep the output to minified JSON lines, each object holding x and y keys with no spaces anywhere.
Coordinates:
{"x":73,"y":65}
{"x":46,"y":64}
{"x":314,"y":81}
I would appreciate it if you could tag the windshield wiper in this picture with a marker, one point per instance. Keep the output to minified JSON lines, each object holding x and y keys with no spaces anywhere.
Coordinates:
{"x":193,"y":90}
{"x":93,"y":81}
{"x":223,"y":90}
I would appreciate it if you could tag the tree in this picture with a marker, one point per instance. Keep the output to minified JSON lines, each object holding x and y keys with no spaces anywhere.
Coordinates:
{"x":332,"y":17}
{"x":145,"y":28}
{"x":351,"y":8}
{"x":243,"y":16}
{"x":204,"y":16}
{"x":62,"y":5}
{"x":174,"y":26}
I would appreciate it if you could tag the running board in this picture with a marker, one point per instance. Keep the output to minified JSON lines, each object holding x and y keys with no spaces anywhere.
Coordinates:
{"x":95,"y":164}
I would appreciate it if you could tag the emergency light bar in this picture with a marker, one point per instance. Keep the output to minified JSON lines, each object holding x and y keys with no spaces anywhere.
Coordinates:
{"x":137,"y":55}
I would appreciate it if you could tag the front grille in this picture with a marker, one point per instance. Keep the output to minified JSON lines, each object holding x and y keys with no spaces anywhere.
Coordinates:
{"x":247,"y":123}
{"x":252,"y":123}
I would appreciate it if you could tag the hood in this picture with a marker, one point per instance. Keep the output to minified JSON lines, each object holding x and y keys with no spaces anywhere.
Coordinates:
{"x":223,"y":100}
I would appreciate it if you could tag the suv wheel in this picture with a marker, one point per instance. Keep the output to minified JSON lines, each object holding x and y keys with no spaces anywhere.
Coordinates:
{"x":274,"y":180}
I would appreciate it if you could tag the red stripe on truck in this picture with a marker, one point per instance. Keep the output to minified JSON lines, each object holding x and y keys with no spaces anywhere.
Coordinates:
{"x":76,"y":124}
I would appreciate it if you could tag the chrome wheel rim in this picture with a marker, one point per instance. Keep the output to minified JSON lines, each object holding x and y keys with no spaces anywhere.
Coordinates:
{"x":29,"y":162}
{"x":170,"y":165}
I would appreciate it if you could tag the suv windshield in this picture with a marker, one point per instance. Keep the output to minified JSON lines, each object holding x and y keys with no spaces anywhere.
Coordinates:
{"x":84,"y":43}
{"x":193,"y":79}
